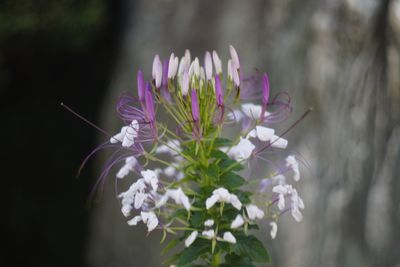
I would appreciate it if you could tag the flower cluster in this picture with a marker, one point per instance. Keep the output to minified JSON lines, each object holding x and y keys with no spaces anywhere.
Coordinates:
{"x":187,"y":177}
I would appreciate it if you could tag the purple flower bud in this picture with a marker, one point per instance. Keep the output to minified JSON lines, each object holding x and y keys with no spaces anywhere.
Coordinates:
{"x":208,"y":65}
{"x":165,"y":73}
{"x":195,"y":106}
{"x":218,"y":91}
{"x":141,"y":85}
{"x":265,"y":90}
{"x":149,"y":103}
{"x":217,"y":63}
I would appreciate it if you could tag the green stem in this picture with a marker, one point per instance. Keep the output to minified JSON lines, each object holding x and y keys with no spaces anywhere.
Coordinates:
{"x":216,"y":260}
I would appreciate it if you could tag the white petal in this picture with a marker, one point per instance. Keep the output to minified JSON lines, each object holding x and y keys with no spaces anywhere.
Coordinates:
{"x":274,"y":229}
{"x":208,"y":65}
{"x":237,"y":222}
{"x":235,"y":76}
{"x":152,"y":223}
{"x":297,"y":214}
{"x":254,"y":212}
{"x":126,"y":210}
{"x":210,"y":202}
{"x":124,"y":171}
{"x":162,"y":201}
{"x":279,"y":179}
{"x":251,"y":110}
{"x":292,"y":163}
{"x":229,"y":70}
{"x":242,"y":150}
{"x":209,"y":223}
{"x":157,"y":71}
{"x":149,"y":175}
{"x":185,"y":83}
{"x":264,"y":133}
{"x":281,"y":202}
{"x":279,"y":142}
{"x":228,"y":237}
{"x":191,"y":238}
{"x":234,"y":200}
{"x":209,"y":234}
{"x":139,"y":200}
{"x":234,"y":56}
{"x":280,"y":189}
{"x":223,"y":194}
{"x":235,"y":115}
{"x":134,"y":220}
{"x":217,"y":63}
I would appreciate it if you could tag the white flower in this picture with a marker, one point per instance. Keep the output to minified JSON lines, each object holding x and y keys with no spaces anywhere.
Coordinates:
{"x":128,"y":197}
{"x":278,"y":142}
{"x":191,"y":238}
{"x":130,"y":163}
{"x":274,"y":229}
{"x":296,"y":203}
{"x":223,"y":195}
{"x":217,"y":63}
{"x":242,"y":150}
{"x":208,"y":65}
{"x":151,"y":178}
{"x":292,"y":163}
{"x":262,"y":133}
{"x":150,"y":219}
{"x":182,"y":67}
{"x":228,"y":237}
{"x":209,"y":234}
{"x":179,"y":197}
{"x":234,"y":56}
{"x":237,"y":222}
{"x":254,"y":212}
{"x":252,"y":111}
{"x":209,"y":223}
{"x":157,"y":71}
{"x":279,"y":179}
{"x":127,"y":134}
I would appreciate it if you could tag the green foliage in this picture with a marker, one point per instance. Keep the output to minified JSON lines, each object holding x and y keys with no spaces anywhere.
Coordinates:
{"x":210,"y":169}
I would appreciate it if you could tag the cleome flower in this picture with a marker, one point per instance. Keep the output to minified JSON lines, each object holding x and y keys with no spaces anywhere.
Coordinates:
{"x":197,"y":186}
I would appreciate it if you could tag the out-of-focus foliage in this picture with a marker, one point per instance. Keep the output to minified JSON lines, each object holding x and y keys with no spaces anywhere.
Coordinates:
{"x":70,"y":21}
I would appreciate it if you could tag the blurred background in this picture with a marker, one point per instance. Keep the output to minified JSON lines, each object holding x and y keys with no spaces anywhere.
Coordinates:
{"x":340,"y":56}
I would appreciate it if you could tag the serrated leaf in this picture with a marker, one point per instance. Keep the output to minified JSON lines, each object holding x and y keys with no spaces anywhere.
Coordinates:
{"x":251,"y":247}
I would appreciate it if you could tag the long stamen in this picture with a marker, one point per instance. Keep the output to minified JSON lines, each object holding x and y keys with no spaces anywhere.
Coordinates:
{"x":302,"y":117}
{"x":84,"y":119}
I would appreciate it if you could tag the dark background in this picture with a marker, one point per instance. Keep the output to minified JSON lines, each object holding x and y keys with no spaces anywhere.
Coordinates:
{"x":51,"y":52}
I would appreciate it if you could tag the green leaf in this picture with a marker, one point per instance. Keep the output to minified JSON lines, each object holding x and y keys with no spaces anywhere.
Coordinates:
{"x":230,"y":164}
{"x":197,"y":218}
{"x":251,"y":247}
{"x":192,"y":253}
{"x":212,"y":171}
{"x":231,"y":180}
{"x":171,"y":244}
{"x":218,"y":154}
{"x":220,"y":142}
{"x":233,"y":260}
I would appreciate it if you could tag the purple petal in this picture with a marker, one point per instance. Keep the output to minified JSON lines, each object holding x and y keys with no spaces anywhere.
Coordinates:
{"x":141,"y":85}
{"x":149,"y":103}
{"x":265,"y":89}
{"x":195,"y":106}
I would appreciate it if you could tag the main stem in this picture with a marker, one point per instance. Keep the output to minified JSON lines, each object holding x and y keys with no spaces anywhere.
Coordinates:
{"x":216,"y":260}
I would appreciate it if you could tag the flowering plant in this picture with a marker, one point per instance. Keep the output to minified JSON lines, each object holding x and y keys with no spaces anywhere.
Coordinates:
{"x":201,"y":185}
